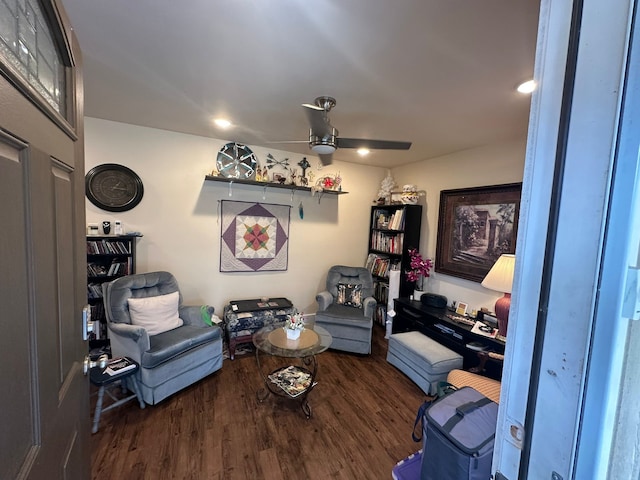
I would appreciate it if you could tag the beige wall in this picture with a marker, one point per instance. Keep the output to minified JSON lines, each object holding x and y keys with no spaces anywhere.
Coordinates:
{"x":493,"y":165}
{"x":178,"y":215}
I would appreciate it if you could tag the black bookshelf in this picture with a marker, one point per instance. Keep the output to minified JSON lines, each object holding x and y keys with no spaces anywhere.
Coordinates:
{"x":393,"y":230}
{"x":108,"y":257}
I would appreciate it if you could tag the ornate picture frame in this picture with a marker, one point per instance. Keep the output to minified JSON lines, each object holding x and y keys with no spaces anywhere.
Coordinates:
{"x":475,"y":226}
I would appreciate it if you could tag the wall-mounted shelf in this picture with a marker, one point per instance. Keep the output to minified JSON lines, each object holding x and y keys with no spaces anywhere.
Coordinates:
{"x":239,"y":181}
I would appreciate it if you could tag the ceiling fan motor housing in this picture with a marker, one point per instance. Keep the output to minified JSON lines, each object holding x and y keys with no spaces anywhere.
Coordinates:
{"x":326,"y":144}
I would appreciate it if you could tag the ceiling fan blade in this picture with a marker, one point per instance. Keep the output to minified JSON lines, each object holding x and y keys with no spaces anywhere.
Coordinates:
{"x":372,"y":144}
{"x":325,"y":158}
{"x":317,"y":120}
{"x":287,"y":141}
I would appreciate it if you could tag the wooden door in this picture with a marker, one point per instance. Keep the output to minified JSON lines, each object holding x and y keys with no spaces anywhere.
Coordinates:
{"x":44,"y":411}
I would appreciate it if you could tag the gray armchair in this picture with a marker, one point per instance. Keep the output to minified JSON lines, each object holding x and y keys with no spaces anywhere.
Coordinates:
{"x":172,"y":353}
{"x":346,"y":308}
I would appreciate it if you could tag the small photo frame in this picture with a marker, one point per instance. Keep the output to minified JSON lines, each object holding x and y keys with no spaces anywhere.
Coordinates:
{"x":461,"y":308}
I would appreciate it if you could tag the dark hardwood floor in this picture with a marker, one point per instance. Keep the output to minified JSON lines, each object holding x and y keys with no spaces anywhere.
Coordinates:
{"x":363,"y":410}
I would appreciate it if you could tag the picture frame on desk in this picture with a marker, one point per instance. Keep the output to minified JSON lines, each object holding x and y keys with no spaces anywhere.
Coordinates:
{"x":475,"y":226}
{"x":461,"y":308}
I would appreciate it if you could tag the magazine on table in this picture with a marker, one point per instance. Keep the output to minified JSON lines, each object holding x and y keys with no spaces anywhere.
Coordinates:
{"x":293,"y":380}
{"x":118,"y":365}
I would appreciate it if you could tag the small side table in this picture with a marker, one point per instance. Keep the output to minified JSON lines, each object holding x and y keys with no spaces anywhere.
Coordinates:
{"x":294,"y":382}
{"x":105,"y":382}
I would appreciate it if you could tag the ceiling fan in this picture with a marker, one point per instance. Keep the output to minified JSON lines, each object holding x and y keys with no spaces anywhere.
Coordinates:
{"x":324,"y":139}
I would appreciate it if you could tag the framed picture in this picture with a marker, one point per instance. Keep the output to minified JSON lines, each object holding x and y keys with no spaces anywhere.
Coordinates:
{"x":475,"y":226}
{"x":461,"y":308}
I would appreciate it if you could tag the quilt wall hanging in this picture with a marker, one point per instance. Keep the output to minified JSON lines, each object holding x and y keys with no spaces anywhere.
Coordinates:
{"x":254,"y":237}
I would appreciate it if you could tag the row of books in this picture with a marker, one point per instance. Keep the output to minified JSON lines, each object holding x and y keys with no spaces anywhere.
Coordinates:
{"x":381,"y":292}
{"x":293,"y":380}
{"x":94,"y":290}
{"x":380,"y":265}
{"x":99,"y":319}
{"x":102,"y":247}
{"x":384,"y":242}
{"x":115,"y":268}
{"x":380,"y":315}
{"x":383,"y":220}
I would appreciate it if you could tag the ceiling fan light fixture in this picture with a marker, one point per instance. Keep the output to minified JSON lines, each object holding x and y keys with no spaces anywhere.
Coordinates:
{"x":363,"y":152}
{"x":322,"y":149}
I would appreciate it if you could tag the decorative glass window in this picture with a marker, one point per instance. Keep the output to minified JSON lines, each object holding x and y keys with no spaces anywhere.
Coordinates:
{"x":26,"y":43}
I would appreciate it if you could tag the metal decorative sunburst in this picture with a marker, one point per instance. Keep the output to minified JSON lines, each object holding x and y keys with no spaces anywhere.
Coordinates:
{"x":236,"y":161}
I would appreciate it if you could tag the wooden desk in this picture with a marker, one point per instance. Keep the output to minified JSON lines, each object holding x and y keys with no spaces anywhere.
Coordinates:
{"x":412,"y":315}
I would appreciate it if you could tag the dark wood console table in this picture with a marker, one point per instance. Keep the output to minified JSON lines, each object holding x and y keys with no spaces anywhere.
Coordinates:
{"x":412,"y":315}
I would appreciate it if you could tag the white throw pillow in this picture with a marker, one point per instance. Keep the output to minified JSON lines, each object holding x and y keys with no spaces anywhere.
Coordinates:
{"x":156,"y":314}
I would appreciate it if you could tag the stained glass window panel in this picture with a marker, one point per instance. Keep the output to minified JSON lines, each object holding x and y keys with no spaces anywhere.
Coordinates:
{"x":26,"y":43}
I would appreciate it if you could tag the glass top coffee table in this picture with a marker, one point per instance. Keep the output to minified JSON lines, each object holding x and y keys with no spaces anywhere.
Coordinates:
{"x":289,"y":380}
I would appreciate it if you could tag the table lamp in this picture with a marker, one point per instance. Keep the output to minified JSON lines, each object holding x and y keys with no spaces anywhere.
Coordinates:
{"x":500,"y":279}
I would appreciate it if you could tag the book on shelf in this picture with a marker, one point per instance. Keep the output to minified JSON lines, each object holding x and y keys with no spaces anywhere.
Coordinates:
{"x":381,"y":292}
{"x":119,"y":365}
{"x":387,"y":242}
{"x":106,"y":247}
{"x":380,"y":314}
{"x":96,"y":270}
{"x":118,"y":268}
{"x":94,"y":290}
{"x":397,"y":220}
{"x":292,"y":380}
{"x":380,"y":265}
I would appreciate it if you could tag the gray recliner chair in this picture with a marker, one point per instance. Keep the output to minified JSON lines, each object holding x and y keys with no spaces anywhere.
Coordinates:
{"x":174,"y":349}
{"x":346,"y":308}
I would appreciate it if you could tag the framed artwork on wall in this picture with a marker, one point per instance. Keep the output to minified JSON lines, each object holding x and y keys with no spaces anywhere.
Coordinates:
{"x":475,"y":226}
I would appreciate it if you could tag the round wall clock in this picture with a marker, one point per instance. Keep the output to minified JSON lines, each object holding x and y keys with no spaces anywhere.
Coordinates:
{"x":236,"y":161}
{"x":113,"y":187}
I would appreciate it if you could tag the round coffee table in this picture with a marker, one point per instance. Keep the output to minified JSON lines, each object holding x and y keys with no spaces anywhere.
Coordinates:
{"x":291,"y":381}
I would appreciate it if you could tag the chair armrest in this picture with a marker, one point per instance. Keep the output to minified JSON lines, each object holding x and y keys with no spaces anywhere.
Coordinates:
{"x":369,"y":306}
{"x":128,"y":340}
{"x":192,"y":315}
{"x":324,"y":299}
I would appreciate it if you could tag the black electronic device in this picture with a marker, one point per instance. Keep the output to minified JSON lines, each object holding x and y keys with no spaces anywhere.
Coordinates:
{"x":488,"y":318}
{"x":433,"y":300}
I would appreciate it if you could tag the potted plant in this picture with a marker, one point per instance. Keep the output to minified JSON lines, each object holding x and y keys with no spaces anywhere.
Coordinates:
{"x":294,"y":325}
{"x":420,"y":269}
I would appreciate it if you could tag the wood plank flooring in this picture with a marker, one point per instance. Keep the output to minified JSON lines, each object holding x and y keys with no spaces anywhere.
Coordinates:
{"x":363,"y":411}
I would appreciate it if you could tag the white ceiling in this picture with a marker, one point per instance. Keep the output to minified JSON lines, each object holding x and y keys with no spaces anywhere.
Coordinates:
{"x":439,"y":73}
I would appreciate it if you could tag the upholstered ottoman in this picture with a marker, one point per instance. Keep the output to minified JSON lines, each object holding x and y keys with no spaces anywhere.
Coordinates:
{"x":422,"y":359}
{"x":247,"y":317}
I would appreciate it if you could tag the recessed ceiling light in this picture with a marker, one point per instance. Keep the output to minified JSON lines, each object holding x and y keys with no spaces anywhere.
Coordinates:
{"x":527,"y":87}
{"x":363,"y":151}
{"x":222,"y":122}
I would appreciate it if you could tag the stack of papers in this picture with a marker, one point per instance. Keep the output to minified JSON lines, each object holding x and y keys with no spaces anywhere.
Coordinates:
{"x":484,"y":330}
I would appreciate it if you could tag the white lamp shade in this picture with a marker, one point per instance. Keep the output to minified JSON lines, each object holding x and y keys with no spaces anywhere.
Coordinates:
{"x":321,"y":149}
{"x":500,"y":277}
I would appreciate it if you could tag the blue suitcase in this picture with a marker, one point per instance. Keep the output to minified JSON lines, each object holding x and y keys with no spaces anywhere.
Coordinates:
{"x":458,"y":436}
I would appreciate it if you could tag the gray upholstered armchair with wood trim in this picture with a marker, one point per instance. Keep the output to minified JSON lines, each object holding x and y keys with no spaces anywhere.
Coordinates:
{"x":346,"y":308}
{"x":173,"y":344}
